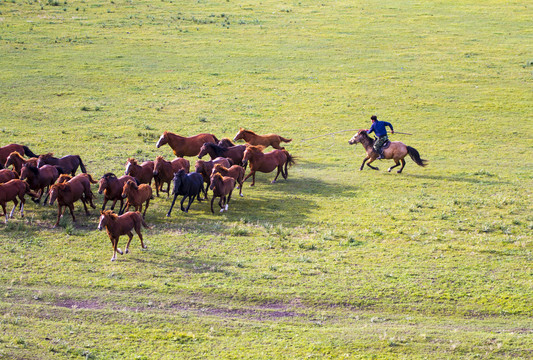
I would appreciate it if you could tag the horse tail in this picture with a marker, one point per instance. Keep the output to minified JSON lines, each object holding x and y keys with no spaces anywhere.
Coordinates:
{"x":413,"y":153}
{"x":214,"y":137}
{"x":290,"y":162}
{"x":91,"y":180}
{"x":285,"y":140}
{"x":82,"y":167}
{"x":144,"y":223}
{"x":28,"y":152}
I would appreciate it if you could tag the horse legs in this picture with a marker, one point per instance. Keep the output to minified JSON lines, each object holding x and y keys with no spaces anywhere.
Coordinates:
{"x":181,"y":203}
{"x":114,"y":242}
{"x":222,"y":201}
{"x":403,"y":165}
{"x":85,"y":206}
{"x":138,"y":231}
{"x":171,"y":206}
{"x":13,"y":210}
{"x":370,"y":166}
{"x":71,"y":208}
{"x":47,"y":195}
{"x":191,"y":199}
{"x":59,"y":213}
{"x":145,"y":207}
{"x":280,"y":170}
{"x":392,"y":167}
{"x":229,"y":198}
{"x":130,"y":236}
{"x":212,"y":200}
{"x":363,"y":164}
{"x":5,"y":212}
{"x":105,"y":202}
{"x":252,"y":174}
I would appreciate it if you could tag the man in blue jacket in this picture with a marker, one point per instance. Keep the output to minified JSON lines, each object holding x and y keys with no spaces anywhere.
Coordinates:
{"x":379,"y":128}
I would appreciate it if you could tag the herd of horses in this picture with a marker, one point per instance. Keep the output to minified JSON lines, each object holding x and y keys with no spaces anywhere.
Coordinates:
{"x":56,"y":178}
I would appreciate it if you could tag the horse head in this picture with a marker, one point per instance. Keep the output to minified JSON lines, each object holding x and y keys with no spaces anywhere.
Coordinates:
{"x":104,"y":182}
{"x":43,"y":159}
{"x":130,"y":184}
{"x":203,"y":150}
{"x":158,"y":163}
{"x":162,"y":140}
{"x":359,"y":137}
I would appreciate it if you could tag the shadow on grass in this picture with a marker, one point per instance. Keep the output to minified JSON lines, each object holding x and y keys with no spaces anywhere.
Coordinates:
{"x":467,"y":178}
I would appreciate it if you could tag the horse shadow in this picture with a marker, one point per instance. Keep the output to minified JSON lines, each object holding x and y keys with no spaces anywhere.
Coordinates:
{"x":467,"y":178}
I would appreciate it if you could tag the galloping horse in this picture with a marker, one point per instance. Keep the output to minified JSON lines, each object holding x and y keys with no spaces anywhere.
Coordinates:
{"x":12,"y":189}
{"x":164,"y":172}
{"x":222,"y":187}
{"x":143,"y":173}
{"x":267,"y":162}
{"x":39,"y":178}
{"x":396,"y":151}
{"x":17,"y":161}
{"x":234,"y":153}
{"x":185,"y":146}
{"x":111,"y":187}
{"x":67,"y":193}
{"x":226,"y":142}
{"x":235,"y":171}
{"x":205,"y":168}
{"x":137,"y":196}
{"x":189,"y":185}
{"x":6,"y":175}
{"x":68,"y":164}
{"x":264,"y":140}
{"x":5,"y":151}
{"x":122,"y":225}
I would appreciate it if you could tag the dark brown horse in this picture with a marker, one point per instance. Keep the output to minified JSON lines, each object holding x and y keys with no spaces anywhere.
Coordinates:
{"x":17,"y":161}
{"x":5,"y":151}
{"x":67,"y":164}
{"x":185,"y":146}
{"x":122,"y":225}
{"x":396,"y":151}
{"x":144,"y":173}
{"x":205,"y":168}
{"x":222,"y":187}
{"x":12,"y":190}
{"x":235,"y":171}
{"x":234,"y":153}
{"x":111,"y":187}
{"x":39,"y":178}
{"x":6,"y":175}
{"x":267,"y":162}
{"x":67,"y":193}
{"x":263,"y":140}
{"x":164,"y":172}
{"x":137,"y":195}
{"x":226,"y":142}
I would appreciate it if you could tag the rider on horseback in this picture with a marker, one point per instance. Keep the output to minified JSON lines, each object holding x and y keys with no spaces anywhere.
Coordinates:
{"x":379,"y":128}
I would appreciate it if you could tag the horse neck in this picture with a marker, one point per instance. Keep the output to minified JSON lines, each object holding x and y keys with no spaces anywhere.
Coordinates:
{"x":367,"y":142}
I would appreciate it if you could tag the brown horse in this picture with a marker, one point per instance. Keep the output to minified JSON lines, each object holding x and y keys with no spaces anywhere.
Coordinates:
{"x":264,"y":140}
{"x":5,"y":151}
{"x":67,"y":164}
{"x":267,"y":162}
{"x":111,"y":187}
{"x":137,"y":195}
{"x":206,"y":168}
{"x":6,"y":175}
{"x":39,"y":178}
{"x":234,"y":153}
{"x":122,"y":225}
{"x":67,"y":193}
{"x":235,"y":171}
{"x":185,"y":146}
{"x":226,"y":142}
{"x":396,"y":151}
{"x":164,"y":172}
{"x":18,"y":161}
{"x":143,"y":173}
{"x":222,"y":187}
{"x":12,"y":190}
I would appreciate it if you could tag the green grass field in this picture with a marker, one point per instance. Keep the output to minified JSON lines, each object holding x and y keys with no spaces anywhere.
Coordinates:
{"x":334,"y":262}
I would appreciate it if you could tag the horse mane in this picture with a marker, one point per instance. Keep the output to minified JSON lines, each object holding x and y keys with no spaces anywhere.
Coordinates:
{"x":109,"y":213}
{"x":132,"y":161}
{"x":16,"y":154}
{"x":33,"y":169}
{"x":46,"y":156}
{"x":63,"y":187}
{"x":159,"y":158}
{"x":226,"y":140}
{"x":248,"y":131}
{"x":217,"y":175}
{"x":219,"y":150}
{"x":132,"y":184}
{"x":109,"y":175}
{"x":220,"y":166}
{"x":255,"y":148}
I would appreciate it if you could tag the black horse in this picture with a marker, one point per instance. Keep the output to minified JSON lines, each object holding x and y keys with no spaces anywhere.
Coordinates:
{"x":189,"y":185}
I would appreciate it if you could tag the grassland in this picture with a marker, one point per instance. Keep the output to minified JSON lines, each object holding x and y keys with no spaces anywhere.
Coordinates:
{"x":333,"y":263}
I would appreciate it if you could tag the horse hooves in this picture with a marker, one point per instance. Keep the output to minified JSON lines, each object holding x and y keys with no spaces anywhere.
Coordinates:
{"x":399,"y":171}
{"x":241,"y":195}
{"x":389,"y":170}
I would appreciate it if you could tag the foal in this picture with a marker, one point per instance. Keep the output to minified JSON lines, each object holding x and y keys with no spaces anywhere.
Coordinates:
{"x":164,"y":172}
{"x":205,"y":168}
{"x":18,"y":161}
{"x":263,"y":140}
{"x":111,"y":187}
{"x":137,"y":196}
{"x":143,"y":173}
{"x":39,"y":178}
{"x":235,"y":171}
{"x":12,"y":190}
{"x":122,"y":225}
{"x":222,"y":187}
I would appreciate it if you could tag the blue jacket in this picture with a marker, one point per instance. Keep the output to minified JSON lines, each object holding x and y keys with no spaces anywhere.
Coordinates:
{"x":379,"y":128}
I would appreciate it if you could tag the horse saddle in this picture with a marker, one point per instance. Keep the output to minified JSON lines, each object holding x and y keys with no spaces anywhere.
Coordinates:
{"x":386,"y":144}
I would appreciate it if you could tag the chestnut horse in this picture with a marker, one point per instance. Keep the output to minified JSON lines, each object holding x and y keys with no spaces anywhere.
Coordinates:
{"x":396,"y":151}
{"x":235,"y":171}
{"x":67,"y":193}
{"x":222,"y":187}
{"x":17,"y":161}
{"x":185,"y":146}
{"x":164,"y":172}
{"x":264,"y":140}
{"x":205,"y":168}
{"x":137,"y":195}
{"x":122,"y":225}
{"x":267,"y":162}
{"x":234,"y":153}
{"x":143,"y":173}
{"x":189,"y":185}
{"x":39,"y":178}
{"x":6,"y":175}
{"x":111,"y":187}
{"x":68,"y":164}
{"x":12,"y":190}
{"x":226,"y":142}
{"x":5,"y":151}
